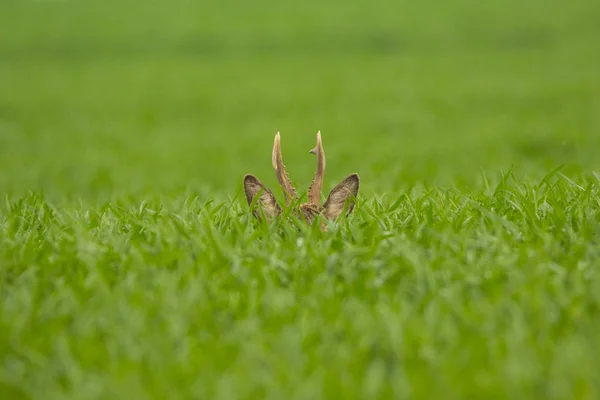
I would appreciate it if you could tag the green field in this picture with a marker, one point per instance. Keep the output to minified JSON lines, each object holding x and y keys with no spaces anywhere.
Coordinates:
{"x":130,"y":267}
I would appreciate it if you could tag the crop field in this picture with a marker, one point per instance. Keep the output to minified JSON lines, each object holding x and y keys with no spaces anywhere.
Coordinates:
{"x":132,"y":268}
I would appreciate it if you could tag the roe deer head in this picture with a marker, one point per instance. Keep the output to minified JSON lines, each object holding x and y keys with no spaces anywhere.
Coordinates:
{"x":342,"y":196}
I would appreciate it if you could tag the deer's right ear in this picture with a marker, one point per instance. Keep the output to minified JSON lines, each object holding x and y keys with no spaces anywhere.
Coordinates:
{"x":341,"y":197}
{"x":265,"y":201}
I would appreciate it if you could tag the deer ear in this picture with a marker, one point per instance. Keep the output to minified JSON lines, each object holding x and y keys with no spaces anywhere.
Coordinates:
{"x":266,"y":200}
{"x":341,"y":196}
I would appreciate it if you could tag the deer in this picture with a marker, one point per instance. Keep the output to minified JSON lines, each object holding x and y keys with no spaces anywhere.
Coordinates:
{"x":341,"y":197}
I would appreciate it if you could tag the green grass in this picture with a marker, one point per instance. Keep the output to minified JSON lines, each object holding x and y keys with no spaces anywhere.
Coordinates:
{"x":435,"y":293}
{"x":130,"y":267}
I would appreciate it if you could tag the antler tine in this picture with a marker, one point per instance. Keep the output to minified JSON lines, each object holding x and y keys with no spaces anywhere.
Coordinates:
{"x":314,"y":192}
{"x":285,"y":182}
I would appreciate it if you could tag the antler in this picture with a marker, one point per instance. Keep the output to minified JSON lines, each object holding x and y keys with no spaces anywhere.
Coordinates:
{"x":285,"y":182}
{"x":340,"y":198}
{"x":314,"y":192}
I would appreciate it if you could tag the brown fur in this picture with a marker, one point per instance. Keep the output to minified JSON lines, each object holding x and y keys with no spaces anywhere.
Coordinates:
{"x":341,"y":196}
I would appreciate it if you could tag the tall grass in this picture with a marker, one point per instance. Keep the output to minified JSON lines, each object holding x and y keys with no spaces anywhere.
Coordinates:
{"x":434,"y":293}
{"x":131,"y":268}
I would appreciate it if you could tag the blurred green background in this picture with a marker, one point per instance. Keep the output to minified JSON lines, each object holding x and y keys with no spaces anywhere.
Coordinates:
{"x":99,"y":98}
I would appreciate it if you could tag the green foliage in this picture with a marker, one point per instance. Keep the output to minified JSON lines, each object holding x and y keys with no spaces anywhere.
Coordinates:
{"x":440,"y":292}
{"x":131,"y":268}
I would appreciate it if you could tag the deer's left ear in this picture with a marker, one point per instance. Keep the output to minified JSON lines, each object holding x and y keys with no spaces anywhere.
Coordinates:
{"x":266,"y":200}
{"x":341,"y":196}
